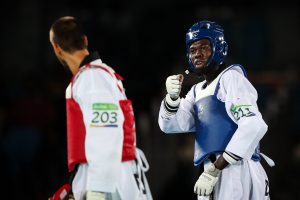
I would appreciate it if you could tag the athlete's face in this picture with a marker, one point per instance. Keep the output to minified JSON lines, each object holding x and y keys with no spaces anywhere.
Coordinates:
{"x":200,"y":52}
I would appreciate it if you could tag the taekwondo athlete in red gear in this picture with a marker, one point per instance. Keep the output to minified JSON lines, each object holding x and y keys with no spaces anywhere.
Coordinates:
{"x":223,"y":113}
{"x":100,"y":123}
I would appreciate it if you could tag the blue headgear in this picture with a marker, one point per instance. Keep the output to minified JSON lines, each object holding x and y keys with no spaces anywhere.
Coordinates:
{"x":214,"y":33}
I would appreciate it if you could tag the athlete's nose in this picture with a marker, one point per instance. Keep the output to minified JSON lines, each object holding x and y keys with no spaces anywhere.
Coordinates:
{"x":198,"y":53}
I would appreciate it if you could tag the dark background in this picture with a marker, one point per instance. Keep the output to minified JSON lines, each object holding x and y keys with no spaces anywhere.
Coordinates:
{"x":144,"y":41}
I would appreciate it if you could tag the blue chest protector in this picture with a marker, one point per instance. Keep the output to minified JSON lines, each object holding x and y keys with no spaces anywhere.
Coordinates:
{"x":214,"y":128}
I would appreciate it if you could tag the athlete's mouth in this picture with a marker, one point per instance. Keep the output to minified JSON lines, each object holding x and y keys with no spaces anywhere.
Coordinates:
{"x":199,"y":62}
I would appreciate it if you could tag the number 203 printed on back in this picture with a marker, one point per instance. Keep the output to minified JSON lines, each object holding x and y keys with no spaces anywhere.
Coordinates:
{"x":105,"y":115}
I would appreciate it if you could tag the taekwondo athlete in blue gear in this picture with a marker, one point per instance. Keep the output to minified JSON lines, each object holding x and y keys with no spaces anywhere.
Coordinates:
{"x":214,"y":33}
{"x":223,"y":113}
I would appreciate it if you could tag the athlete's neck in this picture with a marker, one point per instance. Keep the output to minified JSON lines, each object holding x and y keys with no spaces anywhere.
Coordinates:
{"x":212,"y":74}
{"x":73,"y":60}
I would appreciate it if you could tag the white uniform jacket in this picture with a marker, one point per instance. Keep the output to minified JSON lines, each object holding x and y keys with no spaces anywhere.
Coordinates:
{"x":240,"y":101}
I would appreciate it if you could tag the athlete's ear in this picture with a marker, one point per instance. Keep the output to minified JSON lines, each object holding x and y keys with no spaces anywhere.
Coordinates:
{"x":86,"y":42}
{"x":57,"y":48}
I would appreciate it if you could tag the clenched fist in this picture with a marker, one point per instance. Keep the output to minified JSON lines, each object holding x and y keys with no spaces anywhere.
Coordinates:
{"x":173,"y":85}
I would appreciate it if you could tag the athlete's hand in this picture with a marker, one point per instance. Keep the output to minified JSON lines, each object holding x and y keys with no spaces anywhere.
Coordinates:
{"x":173,"y":85}
{"x":207,"y":180}
{"x":91,"y":195}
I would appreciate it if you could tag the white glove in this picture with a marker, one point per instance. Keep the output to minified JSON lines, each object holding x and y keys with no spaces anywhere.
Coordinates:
{"x":173,"y":85}
{"x":91,"y":195}
{"x":207,"y":180}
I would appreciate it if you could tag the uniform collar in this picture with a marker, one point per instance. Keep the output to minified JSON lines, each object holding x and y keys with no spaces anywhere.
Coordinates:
{"x":90,"y":58}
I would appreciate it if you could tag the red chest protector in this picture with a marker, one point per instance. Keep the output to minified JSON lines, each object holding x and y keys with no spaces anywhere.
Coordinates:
{"x":76,"y":129}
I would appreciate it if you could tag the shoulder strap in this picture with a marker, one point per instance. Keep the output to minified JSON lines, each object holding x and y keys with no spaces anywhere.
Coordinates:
{"x":227,"y":69}
{"x":194,"y":90}
{"x":110,"y":72}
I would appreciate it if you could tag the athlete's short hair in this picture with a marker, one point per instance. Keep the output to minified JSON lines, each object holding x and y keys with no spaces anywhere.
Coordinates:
{"x":68,"y":34}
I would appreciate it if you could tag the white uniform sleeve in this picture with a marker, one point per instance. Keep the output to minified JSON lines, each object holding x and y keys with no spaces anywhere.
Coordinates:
{"x":178,"y":119}
{"x":96,"y":92}
{"x":241,"y":106}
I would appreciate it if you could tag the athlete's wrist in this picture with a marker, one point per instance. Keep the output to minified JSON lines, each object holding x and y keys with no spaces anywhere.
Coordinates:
{"x":213,"y":170}
{"x":220,"y":163}
{"x":171,"y":102}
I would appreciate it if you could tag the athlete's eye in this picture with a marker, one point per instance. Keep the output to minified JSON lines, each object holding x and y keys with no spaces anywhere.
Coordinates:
{"x":205,"y":47}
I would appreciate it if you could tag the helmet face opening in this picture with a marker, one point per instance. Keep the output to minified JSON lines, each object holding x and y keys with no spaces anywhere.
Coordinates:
{"x":200,"y":52}
{"x":215,"y":34}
